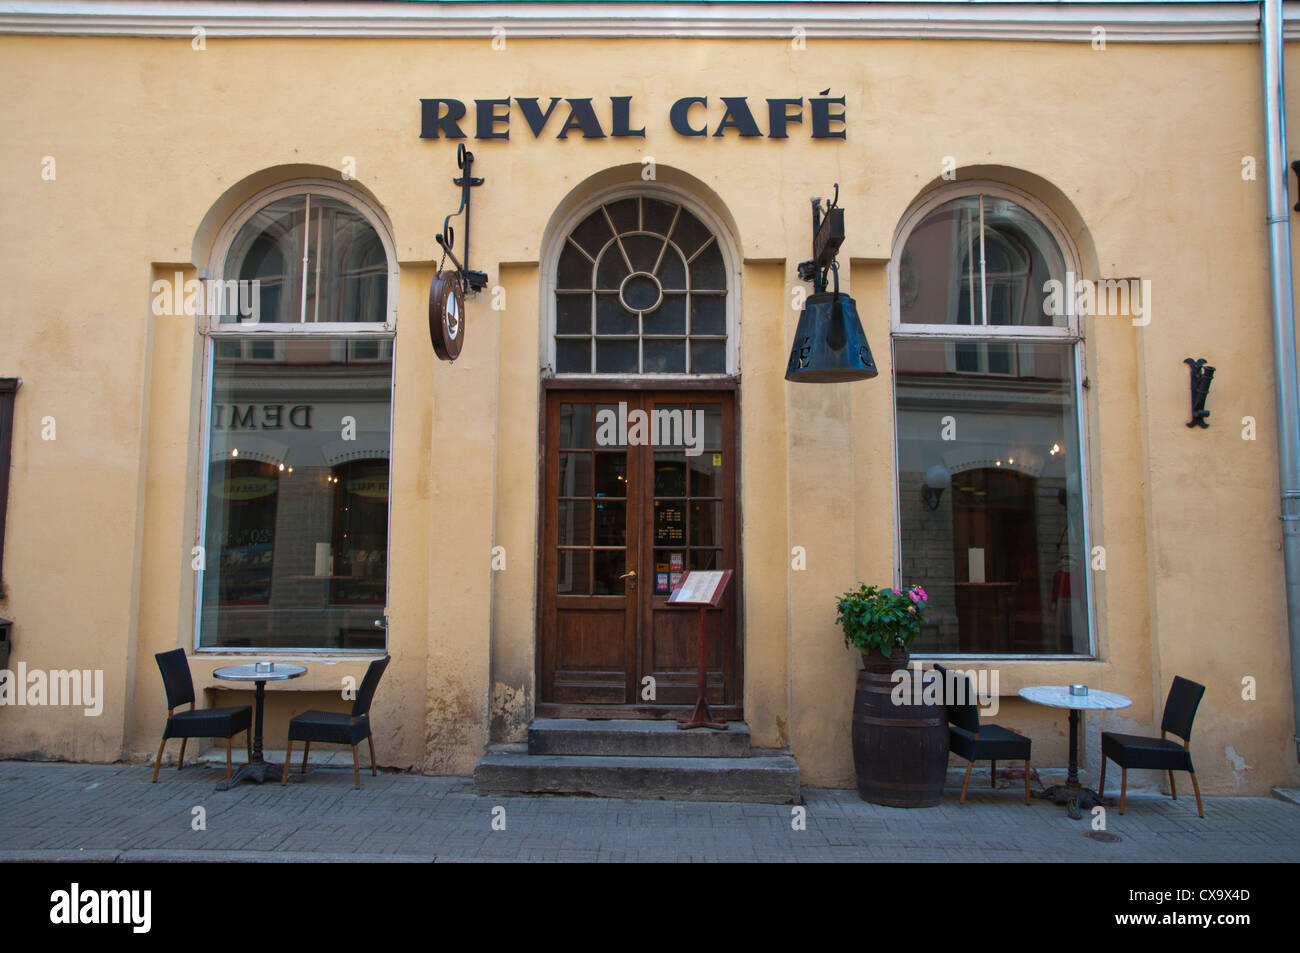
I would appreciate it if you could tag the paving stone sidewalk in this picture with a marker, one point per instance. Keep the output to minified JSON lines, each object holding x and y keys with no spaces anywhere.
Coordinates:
{"x":113,"y":813}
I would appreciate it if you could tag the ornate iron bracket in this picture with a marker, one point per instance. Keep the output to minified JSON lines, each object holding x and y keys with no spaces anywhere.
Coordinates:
{"x":471,"y":281}
{"x":828,"y":235}
{"x":1202,"y":375}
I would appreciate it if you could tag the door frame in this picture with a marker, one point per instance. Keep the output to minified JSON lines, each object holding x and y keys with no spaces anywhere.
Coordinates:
{"x":611,"y":383}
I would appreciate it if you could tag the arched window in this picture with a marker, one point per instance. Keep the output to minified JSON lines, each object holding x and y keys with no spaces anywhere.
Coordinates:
{"x":300,"y":379}
{"x":641,"y":288}
{"x":990,"y":450}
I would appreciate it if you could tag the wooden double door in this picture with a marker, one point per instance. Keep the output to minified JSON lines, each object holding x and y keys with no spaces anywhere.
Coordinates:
{"x":640,"y":487}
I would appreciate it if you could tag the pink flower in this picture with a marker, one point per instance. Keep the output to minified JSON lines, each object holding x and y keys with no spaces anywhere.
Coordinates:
{"x":912,"y":609}
{"x":917,"y":593}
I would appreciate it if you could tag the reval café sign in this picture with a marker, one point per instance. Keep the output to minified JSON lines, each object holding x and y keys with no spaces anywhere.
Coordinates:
{"x":689,"y":116}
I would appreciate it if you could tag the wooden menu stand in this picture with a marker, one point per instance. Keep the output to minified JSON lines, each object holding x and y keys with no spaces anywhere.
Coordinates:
{"x":703,"y":589}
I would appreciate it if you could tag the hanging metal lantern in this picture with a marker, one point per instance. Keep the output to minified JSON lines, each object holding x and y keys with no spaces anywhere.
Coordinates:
{"x":829,"y":344}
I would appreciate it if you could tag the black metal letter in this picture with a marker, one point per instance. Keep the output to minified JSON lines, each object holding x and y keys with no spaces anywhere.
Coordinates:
{"x":621,"y":110}
{"x":822,"y":117}
{"x":485,"y":112}
{"x":679,"y":115}
{"x":581,"y":116}
{"x":431,"y":123}
{"x":534,"y":115}
{"x":738,"y":117}
{"x":779,"y":115}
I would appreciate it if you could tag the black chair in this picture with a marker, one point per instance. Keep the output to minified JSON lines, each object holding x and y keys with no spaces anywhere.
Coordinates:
{"x":976,"y":742}
{"x":339,"y":728}
{"x":1160,"y":754}
{"x":197,"y":722}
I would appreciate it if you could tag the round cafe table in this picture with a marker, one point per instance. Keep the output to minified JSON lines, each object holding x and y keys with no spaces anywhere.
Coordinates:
{"x":1072,"y":793}
{"x":257,"y":769}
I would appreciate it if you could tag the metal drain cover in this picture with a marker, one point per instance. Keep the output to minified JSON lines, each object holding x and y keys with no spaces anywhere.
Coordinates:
{"x":1104,"y":836}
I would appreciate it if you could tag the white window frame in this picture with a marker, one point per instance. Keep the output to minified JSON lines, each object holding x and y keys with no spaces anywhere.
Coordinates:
{"x":1071,"y":333}
{"x":731,"y":263}
{"x":214,"y":331}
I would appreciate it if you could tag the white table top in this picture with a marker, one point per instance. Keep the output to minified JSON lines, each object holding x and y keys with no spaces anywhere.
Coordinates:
{"x":249,"y":672}
{"x":1058,"y":696}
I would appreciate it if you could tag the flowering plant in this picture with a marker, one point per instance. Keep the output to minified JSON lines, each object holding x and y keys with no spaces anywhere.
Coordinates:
{"x":875,"y":617}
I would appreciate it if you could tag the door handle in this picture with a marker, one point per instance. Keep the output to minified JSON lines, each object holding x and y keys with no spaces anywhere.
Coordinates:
{"x":628,"y":575}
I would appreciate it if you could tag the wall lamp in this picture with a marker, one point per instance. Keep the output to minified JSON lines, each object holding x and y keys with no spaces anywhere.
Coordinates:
{"x":937,"y":479}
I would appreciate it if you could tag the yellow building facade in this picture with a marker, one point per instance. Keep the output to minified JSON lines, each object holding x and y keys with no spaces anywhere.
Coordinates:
{"x":145,"y":144}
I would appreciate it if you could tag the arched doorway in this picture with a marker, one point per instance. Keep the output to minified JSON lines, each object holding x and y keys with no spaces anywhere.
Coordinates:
{"x":640,"y":458}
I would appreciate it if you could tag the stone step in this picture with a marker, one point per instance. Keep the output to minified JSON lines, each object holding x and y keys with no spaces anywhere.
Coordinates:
{"x":635,"y":739}
{"x":768,"y":779}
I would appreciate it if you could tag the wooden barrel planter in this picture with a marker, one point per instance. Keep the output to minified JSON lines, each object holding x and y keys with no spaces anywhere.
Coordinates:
{"x":900,"y":752}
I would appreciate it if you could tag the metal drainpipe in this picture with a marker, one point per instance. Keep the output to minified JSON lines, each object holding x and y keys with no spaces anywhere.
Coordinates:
{"x":1284,"y":339}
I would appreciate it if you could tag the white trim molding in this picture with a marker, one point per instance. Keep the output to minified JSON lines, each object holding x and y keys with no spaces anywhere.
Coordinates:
{"x":1066,"y":21}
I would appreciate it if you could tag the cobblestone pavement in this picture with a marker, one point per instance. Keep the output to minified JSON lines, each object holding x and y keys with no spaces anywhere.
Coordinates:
{"x":113,"y":812}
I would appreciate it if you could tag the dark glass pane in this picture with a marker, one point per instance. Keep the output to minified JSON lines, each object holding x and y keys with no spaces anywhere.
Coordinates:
{"x":269,"y":248}
{"x":1002,"y":299}
{"x":708,"y":314}
{"x":670,"y":522}
{"x":708,"y":357}
{"x":689,"y":234}
{"x":967,"y":357}
{"x":968,"y":301}
{"x":611,"y":474}
{"x":616,"y":357}
{"x":1021,"y":260}
{"x":347,"y":269}
{"x":609,"y":566}
{"x":624,"y":214}
{"x":707,"y":271}
{"x":607,"y":429}
{"x":360,"y":533}
{"x":575,"y":474}
{"x":664,"y":357}
{"x":932,"y":262}
{"x":706,"y":474}
{"x":669,"y":423}
{"x":712,"y":425}
{"x":668,"y":318}
{"x":670,"y":474}
{"x":574,"y":522}
{"x":611,"y":522}
{"x":640,"y":292}
{"x":593,"y":234}
{"x":1001,"y":358}
{"x":643,"y":251}
{"x":573,"y":314}
{"x":705,"y":560}
{"x":672,"y":270}
{"x":575,"y":425}
{"x":657,"y":216}
{"x":574,"y":270}
{"x":612,"y":269}
{"x":611,"y":318}
{"x":573,"y":356}
{"x":573,"y":572}
{"x":706,"y":524}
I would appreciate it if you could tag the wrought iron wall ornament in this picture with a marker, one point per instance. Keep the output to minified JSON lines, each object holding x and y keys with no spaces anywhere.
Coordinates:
{"x":1202,"y":375}
{"x":448,"y":289}
{"x":829,"y":343}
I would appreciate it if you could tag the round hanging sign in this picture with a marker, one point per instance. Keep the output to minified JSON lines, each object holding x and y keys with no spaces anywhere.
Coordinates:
{"x":446,"y":315}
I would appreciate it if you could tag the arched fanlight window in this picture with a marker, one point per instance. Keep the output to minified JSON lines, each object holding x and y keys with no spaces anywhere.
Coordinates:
{"x":319,"y":258}
{"x":641,"y":288}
